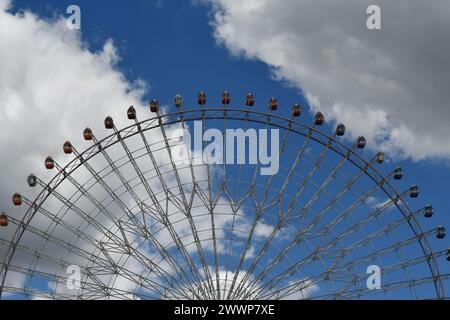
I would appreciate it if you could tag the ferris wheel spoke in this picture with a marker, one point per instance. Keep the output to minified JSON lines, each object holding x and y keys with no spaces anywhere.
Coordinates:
{"x":232,"y":238}
{"x":169,"y":196}
{"x":189,"y":215}
{"x":304,"y":210}
{"x":60,"y":222}
{"x":141,"y":178}
{"x":257,"y":215}
{"x":307,"y":179}
{"x":94,"y":288}
{"x":64,"y":264}
{"x":281,"y":151}
{"x":106,"y":264}
{"x":330,"y":205}
{"x":166,"y":283}
{"x":265,"y":193}
{"x":162,"y":214}
{"x":327,"y":227}
{"x":141,"y":229}
{"x":211,"y":206}
{"x":282,"y":216}
{"x":123,"y":243}
{"x":250,"y":101}
{"x":358,"y":293}
{"x":81,"y":213}
{"x":84,"y":192}
{"x":339,"y":253}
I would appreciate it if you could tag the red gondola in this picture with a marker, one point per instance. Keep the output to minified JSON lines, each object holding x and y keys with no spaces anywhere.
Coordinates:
{"x":3,"y":220}
{"x":201,"y":98}
{"x":319,"y":119}
{"x":225,"y":98}
{"x":249,"y":100}
{"x":296,"y":110}
{"x":154,"y":105}
{"x":49,"y":163}
{"x":67,"y":147}
{"x":273,"y":104}
{"x":131,"y":113}
{"x":109,"y":123}
{"x":17,"y":199}
{"x":87,"y":134}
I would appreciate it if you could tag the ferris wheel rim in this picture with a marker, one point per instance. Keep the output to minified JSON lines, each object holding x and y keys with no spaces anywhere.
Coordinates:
{"x":268,"y":117}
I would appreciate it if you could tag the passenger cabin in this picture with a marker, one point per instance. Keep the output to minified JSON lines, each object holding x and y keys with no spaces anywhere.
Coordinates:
{"x":3,"y":220}
{"x":17,"y":199}
{"x":441,"y":232}
{"x":398,"y":173}
{"x":249,"y":100}
{"x":201,"y":99}
{"x":380,"y":157}
{"x":296,"y":110}
{"x":109,"y":123}
{"x":428,"y":211}
{"x":319,"y":119}
{"x":414,"y":191}
{"x":361,"y":142}
{"x":67,"y":147}
{"x":225,"y":98}
{"x":273,"y":104}
{"x":178,"y":101}
{"x":340,"y":130}
{"x":32,"y":180}
{"x":49,"y":163}
{"x":154,"y":105}
{"x":131,"y":113}
{"x":87,"y":134}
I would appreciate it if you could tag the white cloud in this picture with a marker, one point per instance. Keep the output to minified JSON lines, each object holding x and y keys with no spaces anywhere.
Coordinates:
{"x":51,"y":88}
{"x":390,"y":85}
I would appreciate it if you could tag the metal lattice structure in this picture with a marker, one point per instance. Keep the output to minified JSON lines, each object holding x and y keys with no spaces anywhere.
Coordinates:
{"x":139,"y":224}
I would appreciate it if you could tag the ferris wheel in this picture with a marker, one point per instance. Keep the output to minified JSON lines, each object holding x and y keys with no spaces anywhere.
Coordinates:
{"x":127,"y":218}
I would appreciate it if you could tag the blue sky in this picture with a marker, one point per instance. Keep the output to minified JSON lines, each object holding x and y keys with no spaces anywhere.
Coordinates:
{"x":171,"y":46}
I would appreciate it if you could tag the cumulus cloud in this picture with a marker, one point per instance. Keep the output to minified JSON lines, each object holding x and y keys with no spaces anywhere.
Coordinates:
{"x":51,"y":88}
{"x":390,"y":85}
